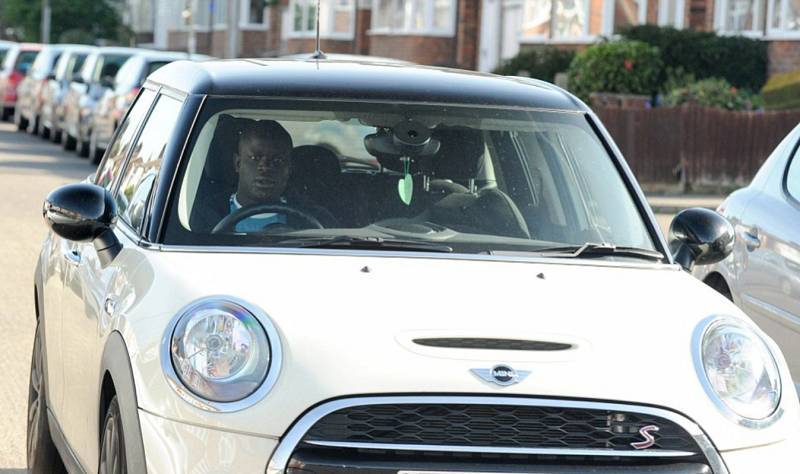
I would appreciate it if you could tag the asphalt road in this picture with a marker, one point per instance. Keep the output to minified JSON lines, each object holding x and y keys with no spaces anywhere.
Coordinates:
{"x":29,"y":168}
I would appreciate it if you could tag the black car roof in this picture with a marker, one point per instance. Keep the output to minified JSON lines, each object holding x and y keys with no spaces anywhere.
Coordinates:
{"x":333,"y":79}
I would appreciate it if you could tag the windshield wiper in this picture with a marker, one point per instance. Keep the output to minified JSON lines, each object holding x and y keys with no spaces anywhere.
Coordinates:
{"x":590,"y":249}
{"x":368,"y":243}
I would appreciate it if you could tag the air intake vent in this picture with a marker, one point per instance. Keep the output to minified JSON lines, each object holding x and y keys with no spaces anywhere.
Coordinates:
{"x":492,"y":344}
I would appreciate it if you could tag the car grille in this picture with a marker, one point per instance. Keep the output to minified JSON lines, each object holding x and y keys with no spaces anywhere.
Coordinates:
{"x":496,"y":426}
{"x":492,"y":344}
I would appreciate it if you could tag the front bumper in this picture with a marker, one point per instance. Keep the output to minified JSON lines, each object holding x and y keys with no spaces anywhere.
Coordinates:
{"x":778,"y":458}
{"x":172,"y":447}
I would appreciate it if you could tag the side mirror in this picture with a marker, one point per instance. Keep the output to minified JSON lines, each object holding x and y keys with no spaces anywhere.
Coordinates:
{"x":78,"y":80}
{"x":51,"y":76}
{"x":700,"y":236}
{"x":107,"y":82}
{"x":84,"y":212}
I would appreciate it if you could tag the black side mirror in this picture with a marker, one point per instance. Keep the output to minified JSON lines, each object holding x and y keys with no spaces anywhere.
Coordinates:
{"x":84,"y":213}
{"x":700,"y":236}
{"x":51,"y":76}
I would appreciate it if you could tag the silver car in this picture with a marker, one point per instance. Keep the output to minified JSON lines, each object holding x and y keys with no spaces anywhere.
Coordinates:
{"x":762,"y":275}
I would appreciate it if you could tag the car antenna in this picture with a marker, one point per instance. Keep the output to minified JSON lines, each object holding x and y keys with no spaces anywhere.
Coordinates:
{"x":318,"y":54}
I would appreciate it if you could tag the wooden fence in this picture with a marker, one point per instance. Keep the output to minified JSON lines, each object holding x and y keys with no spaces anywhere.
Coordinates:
{"x":710,"y":146}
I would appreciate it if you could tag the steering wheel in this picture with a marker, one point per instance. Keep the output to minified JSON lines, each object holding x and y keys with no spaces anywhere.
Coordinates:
{"x":228,"y":223}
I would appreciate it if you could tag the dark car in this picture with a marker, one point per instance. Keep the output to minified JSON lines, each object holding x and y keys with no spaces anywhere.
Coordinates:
{"x":474,"y":284}
{"x":16,"y":64}
{"x":115,"y":102}
{"x":68,"y":65}
{"x":30,"y":94}
{"x":95,"y":78}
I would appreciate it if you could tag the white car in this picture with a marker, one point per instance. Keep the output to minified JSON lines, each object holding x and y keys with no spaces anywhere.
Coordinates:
{"x":477,"y":285}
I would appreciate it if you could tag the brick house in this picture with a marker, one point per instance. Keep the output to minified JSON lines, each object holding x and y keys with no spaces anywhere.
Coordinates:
{"x":471,"y":34}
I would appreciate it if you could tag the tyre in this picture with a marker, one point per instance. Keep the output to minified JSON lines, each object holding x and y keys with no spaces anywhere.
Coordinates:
{"x":95,"y":153}
{"x":55,"y":135}
{"x":44,"y":132}
{"x":82,"y":146}
{"x":42,"y":453}
{"x":112,"y":444}
{"x":34,"y":125}
{"x":6,"y":113}
{"x":67,"y":141}
{"x":21,"y":123}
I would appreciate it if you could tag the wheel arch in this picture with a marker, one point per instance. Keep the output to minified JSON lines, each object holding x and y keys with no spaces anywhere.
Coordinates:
{"x":716,"y":281}
{"x":117,"y":379}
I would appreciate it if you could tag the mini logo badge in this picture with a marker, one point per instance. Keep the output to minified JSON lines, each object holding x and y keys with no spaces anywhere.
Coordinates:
{"x":502,"y":375}
{"x":647,"y":434}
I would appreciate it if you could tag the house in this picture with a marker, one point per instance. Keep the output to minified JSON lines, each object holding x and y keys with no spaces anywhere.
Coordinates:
{"x":470,"y":34}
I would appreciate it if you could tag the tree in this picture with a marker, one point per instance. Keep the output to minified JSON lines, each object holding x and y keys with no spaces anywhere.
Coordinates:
{"x":83,"y":21}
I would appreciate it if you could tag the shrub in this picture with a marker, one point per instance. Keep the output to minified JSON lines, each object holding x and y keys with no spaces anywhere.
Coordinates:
{"x":714,"y":92}
{"x":542,"y":63}
{"x":630,"y":67}
{"x":739,"y":60}
{"x":782,"y":91}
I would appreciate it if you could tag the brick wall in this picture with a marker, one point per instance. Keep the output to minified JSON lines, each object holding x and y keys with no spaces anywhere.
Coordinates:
{"x":429,"y":50}
{"x":253,"y":43}
{"x":468,"y":33}
{"x":699,"y":15}
{"x":309,"y":45}
{"x":784,"y":56}
{"x":363,"y":24}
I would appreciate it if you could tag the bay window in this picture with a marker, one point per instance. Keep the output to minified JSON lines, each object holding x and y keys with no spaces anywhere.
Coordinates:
{"x":563,"y":20}
{"x":254,"y":14}
{"x":784,"y":18}
{"x":414,"y":17}
{"x":739,"y":16}
{"x":337,"y":18}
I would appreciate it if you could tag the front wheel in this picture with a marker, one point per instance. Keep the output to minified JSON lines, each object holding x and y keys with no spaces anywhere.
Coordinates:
{"x":112,"y":447}
{"x":42,"y":453}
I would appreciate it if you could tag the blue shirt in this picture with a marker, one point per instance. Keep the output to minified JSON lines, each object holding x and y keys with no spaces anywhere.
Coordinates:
{"x":257,"y":222}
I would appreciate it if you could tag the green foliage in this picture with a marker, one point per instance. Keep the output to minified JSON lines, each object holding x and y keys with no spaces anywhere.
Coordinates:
{"x":782,"y":91}
{"x":713,"y":92}
{"x":629,"y":67}
{"x":84,"y":20}
{"x":541,"y":63}
{"x":739,"y":60}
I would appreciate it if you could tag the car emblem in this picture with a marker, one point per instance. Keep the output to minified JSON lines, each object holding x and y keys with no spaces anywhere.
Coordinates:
{"x":647,"y":434}
{"x":502,"y":375}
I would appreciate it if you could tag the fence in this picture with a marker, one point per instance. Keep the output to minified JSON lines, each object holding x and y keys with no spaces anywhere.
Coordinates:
{"x":709,"y":146}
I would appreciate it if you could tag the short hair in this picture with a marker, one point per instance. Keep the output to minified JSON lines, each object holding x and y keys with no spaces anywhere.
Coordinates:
{"x":266,"y":129}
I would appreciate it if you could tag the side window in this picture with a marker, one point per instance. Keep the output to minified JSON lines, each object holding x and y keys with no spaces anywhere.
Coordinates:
{"x":142,"y":168}
{"x":793,"y":176}
{"x":119,"y":148}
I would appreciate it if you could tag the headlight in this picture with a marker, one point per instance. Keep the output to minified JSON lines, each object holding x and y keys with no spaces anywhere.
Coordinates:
{"x":223,"y":351}
{"x":740,"y":370}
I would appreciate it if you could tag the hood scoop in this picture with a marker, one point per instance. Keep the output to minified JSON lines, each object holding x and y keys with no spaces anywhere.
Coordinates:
{"x":492,"y":344}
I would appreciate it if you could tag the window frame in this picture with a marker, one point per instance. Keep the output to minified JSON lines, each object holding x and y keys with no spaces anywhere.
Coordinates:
{"x":779,"y":33}
{"x":329,"y":21}
{"x":244,"y":17}
{"x":202,"y":28}
{"x":680,"y":14}
{"x":793,"y":159}
{"x":606,"y":29}
{"x":407,"y":30}
{"x":720,"y":15}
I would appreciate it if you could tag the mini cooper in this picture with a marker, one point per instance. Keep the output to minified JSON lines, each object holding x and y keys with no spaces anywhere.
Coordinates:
{"x":321,"y":266}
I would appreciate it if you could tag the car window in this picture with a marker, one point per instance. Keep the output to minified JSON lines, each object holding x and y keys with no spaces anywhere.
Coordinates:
{"x":793,"y":176}
{"x":25,"y":59}
{"x":108,"y":65}
{"x":75,"y":64}
{"x":3,"y":53}
{"x":121,"y":145}
{"x":478,"y":179}
{"x":143,"y":166}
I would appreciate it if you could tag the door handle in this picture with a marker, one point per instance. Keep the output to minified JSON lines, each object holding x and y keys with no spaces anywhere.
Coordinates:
{"x":72,"y":256}
{"x":751,"y":239}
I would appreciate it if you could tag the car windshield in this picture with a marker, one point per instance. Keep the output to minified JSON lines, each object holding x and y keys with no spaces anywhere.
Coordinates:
{"x":462,"y":178}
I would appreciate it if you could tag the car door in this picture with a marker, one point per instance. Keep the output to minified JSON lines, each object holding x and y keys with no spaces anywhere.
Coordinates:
{"x":770,"y":279}
{"x":86,"y":283}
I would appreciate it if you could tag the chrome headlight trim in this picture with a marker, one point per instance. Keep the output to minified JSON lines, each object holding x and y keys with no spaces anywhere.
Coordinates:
{"x":702,"y":330}
{"x":273,"y":370}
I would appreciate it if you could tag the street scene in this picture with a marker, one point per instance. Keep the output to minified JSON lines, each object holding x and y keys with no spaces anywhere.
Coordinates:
{"x":400,"y":237}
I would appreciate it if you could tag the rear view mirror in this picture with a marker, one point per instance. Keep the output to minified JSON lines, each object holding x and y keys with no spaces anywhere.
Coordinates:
{"x":700,"y":236}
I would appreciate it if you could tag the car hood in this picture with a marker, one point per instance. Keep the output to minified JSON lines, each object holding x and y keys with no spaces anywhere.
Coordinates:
{"x":348,"y":323}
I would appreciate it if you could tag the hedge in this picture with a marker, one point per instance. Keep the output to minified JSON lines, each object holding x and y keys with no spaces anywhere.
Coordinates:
{"x":739,"y":60}
{"x":541,"y":63}
{"x":628,"y":67}
{"x":713,"y":92}
{"x":782,"y":91}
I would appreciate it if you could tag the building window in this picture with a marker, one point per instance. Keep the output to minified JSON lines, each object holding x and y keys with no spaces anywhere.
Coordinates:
{"x":337,"y":18}
{"x":739,"y":16}
{"x":670,"y":13}
{"x":202,"y":14}
{"x":629,"y":13}
{"x":254,"y":14}
{"x":564,"y":20}
{"x":784,"y":18}
{"x":414,"y":17}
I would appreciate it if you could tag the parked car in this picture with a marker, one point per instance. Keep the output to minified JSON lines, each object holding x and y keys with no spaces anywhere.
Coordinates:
{"x":68,"y":65}
{"x":492,"y":295}
{"x":30,"y":93}
{"x":116,"y":101}
{"x":15,"y":66}
{"x":762,"y":276}
{"x":95,"y":78}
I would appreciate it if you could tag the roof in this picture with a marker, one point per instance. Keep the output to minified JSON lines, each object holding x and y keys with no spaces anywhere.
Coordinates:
{"x":119,"y":50}
{"x":360,"y":80}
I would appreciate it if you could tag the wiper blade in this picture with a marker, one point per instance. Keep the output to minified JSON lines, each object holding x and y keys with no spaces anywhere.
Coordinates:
{"x":368,"y":243}
{"x":591,"y":249}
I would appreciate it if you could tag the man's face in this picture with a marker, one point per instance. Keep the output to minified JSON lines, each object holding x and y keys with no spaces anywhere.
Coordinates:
{"x":263,"y":165}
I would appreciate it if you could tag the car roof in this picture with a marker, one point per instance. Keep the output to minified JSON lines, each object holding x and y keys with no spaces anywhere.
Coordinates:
{"x":29,"y":46}
{"x":331,"y":79}
{"x":118,"y":50}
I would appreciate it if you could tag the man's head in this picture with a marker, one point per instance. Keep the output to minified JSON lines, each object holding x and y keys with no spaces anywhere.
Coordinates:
{"x":263,"y":162}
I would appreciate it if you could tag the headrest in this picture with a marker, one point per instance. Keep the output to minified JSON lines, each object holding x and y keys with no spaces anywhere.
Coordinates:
{"x":460,"y":154}
{"x":314,"y":161}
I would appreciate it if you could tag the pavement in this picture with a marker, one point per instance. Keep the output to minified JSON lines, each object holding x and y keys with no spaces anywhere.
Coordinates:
{"x":29,"y":168}
{"x":671,"y":204}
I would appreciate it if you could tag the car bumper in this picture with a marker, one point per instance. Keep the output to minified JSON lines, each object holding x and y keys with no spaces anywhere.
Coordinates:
{"x":171,"y":446}
{"x":777,"y":457}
